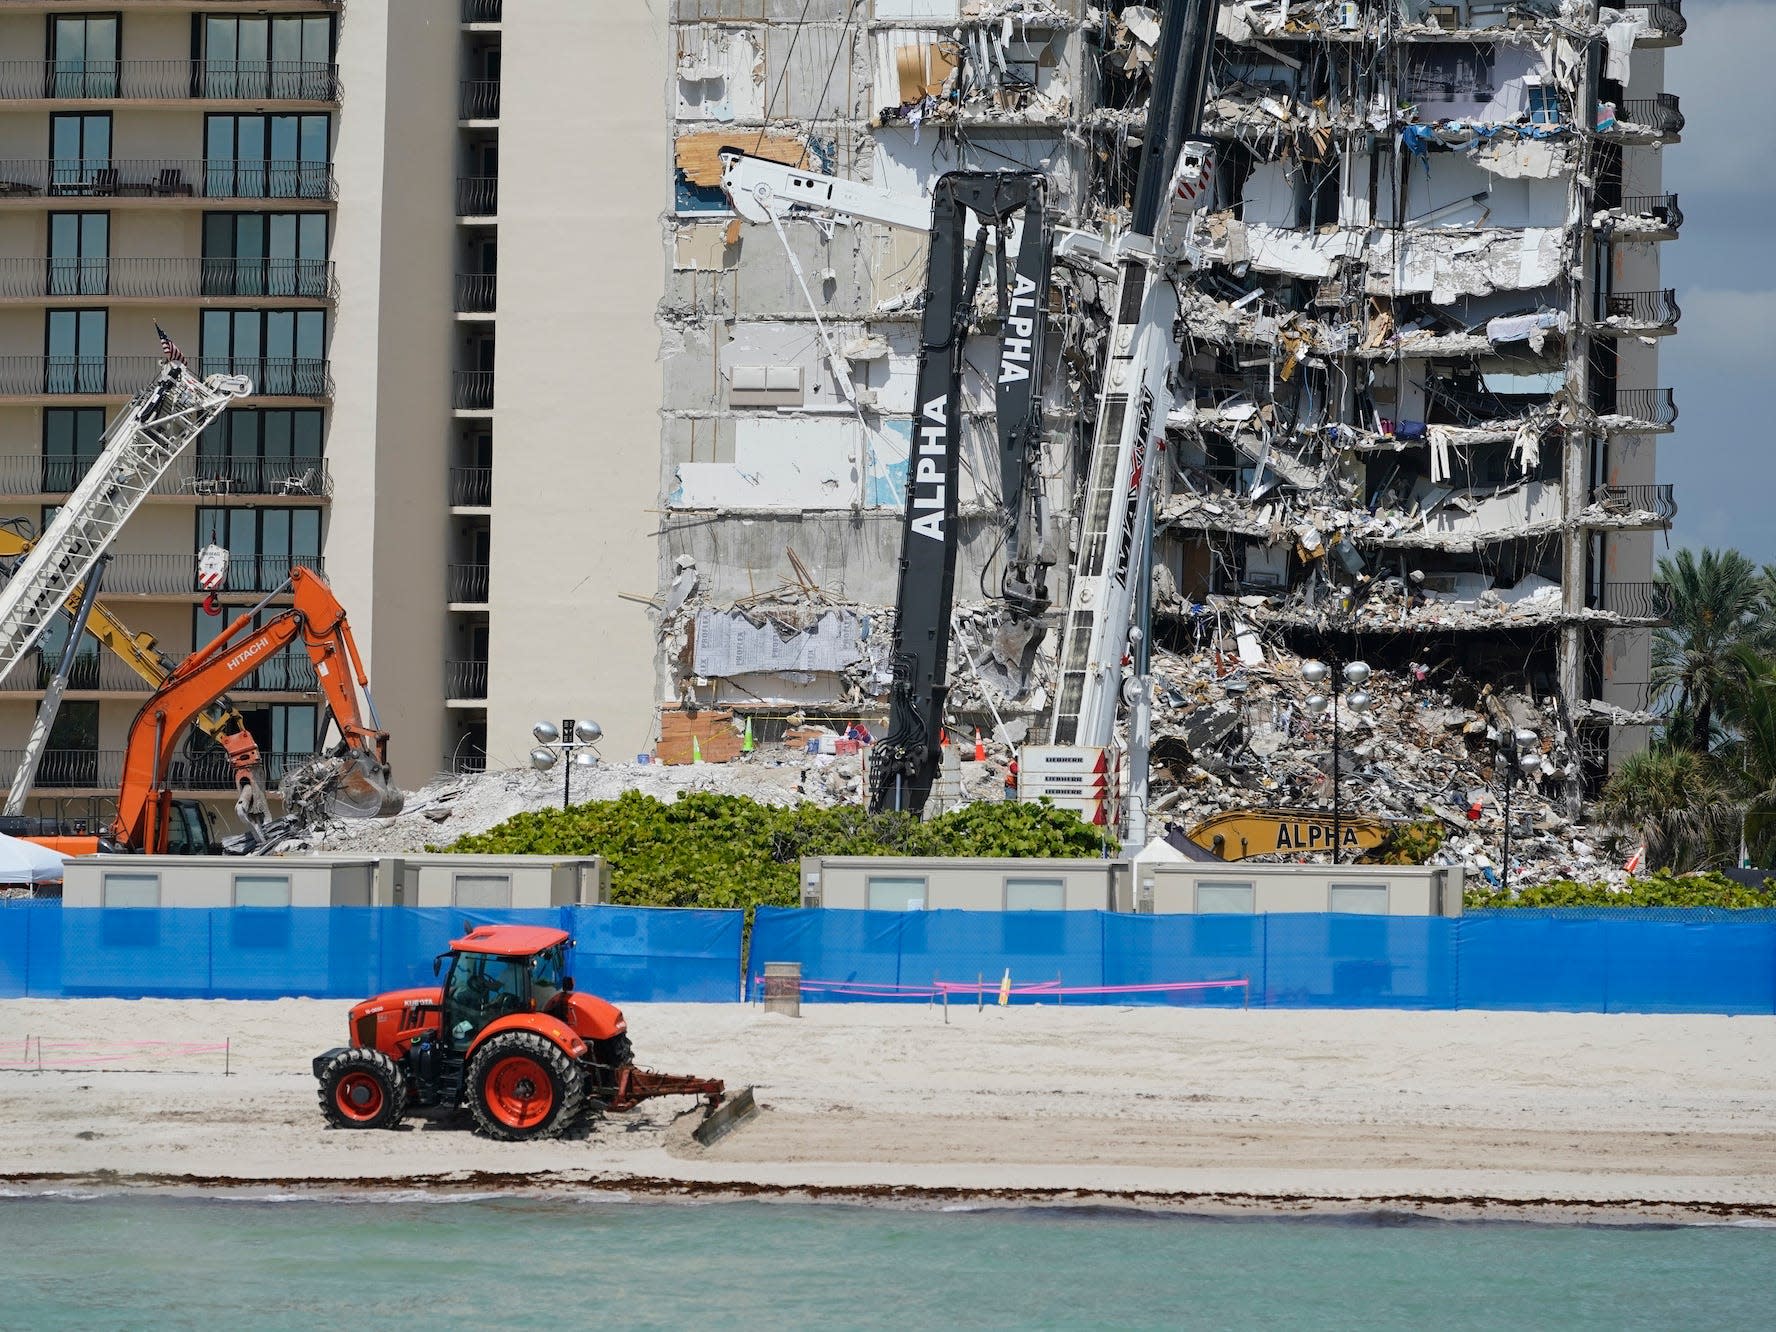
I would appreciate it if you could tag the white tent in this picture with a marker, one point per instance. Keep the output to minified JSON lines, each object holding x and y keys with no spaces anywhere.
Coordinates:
{"x":27,"y":862}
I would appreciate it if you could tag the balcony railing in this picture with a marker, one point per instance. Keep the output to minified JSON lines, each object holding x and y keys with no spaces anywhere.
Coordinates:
{"x":1661,"y":208}
{"x":465,"y":679}
{"x":478,"y":99}
{"x":123,"y":80}
{"x":1637,"y":601}
{"x":471,"y":487}
{"x":468,"y":583}
{"x":72,"y":769}
{"x":1649,"y":115}
{"x":481,"y":11}
{"x":477,"y":196}
{"x":285,"y":673}
{"x":121,"y":376}
{"x":475,"y":292}
{"x":199,"y":475}
{"x":165,"y":178}
{"x":176,"y":575}
{"x":1665,"y":17}
{"x":1641,"y":309}
{"x":473,"y":391}
{"x":1660,"y":500}
{"x":167,"y":278}
{"x":275,"y":376}
{"x":1657,"y":406}
{"x":212,"y":770}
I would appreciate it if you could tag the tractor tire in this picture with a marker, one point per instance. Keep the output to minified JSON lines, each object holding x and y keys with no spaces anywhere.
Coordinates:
{"x":522,"y":1086}
{"x":614,"y":1053}
{"x":363,"y":1089}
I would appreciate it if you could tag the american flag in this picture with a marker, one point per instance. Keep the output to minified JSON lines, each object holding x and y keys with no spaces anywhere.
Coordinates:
{"x":169,"y":350}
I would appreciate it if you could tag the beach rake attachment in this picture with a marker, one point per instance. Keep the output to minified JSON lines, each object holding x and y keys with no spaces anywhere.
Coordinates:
{"x":722,"y":1113}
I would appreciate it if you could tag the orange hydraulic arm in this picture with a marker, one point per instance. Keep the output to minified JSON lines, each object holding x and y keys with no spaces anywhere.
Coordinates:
{"x":144,"y":801}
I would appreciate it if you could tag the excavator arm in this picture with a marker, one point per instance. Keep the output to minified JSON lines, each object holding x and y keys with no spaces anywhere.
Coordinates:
{"x":353,"y":782}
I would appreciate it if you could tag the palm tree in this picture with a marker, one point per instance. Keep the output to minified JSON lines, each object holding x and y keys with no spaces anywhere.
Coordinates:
{"x":1685,"y":815}
{"x":1715,"y":605}
{"x":1748,"y":758}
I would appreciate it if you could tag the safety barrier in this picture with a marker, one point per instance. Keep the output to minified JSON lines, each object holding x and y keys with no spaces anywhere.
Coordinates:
{"x":627,"y":954}
{"x":1576,"y":961}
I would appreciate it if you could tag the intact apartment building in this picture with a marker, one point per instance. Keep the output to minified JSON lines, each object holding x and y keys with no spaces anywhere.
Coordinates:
{"x":1418,"y":397}
{"x":316,"y":195}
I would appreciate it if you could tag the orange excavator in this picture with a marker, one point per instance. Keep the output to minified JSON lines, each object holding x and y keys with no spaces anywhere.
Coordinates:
{"x":353,"y":781}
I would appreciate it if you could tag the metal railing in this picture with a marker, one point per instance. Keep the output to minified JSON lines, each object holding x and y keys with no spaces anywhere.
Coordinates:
{"x":1662,"y":207}
{"x":476,"y":293}
{"x":1644,"y":309}
{"x":211,"y":770}
{"x":472,"y":390}
{"x":478,"y":99}
{"x":1636,"y":601}
{"x":467,"y":583}
{"x":1658,"y":406}
{"x":1663,"y":16}
{"x":481,"y":11}
{"x":121,"y":376}
{"x":275,"y":376}
{"x":176,"y":575}
{"x":471,"y":487}
{"x":199,"y":475}
{"x":167,"y":278}
{"x":465,"y":679}
{"x":1659,"y":500}
{"x":123,"y":80}
{"x":477,"y":196}
{"x":1660,"y":114}
{"x":70,"y":769}
{"x":164,"y":178}
{"x":290,"y":672}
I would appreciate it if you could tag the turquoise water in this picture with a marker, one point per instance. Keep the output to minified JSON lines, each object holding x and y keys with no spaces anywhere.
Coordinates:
{"x":572,"y":1266}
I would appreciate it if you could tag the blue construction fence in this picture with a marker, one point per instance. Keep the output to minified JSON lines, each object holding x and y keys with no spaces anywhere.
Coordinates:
{"x":627,"y":954}
{"x":1565,"y":960}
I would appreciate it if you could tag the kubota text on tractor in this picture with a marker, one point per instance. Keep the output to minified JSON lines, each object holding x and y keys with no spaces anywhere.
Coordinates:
{"x":508,"y":1038}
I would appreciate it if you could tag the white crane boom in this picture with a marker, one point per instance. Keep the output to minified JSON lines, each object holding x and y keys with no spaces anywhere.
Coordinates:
{"x":760,"y":189}
{"x":138,"y":447}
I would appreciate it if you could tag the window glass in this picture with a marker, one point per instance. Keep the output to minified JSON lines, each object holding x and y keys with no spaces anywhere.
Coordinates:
{"x":117,"y":889}
{"x":71,"y":440}
{"x":896,"y":893}
{"x":1214,"y":898}
{"x":1360,"y":899}
{"x":1035,"y":895}
{"x":262,"y":890}
{"x":75,"y":342}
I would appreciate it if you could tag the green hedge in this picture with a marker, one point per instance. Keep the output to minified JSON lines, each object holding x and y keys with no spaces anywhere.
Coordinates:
{"x":1663,"y":889}
{"x":706,"y":850}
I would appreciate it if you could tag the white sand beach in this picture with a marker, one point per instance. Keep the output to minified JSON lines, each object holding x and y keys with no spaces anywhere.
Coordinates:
{"x":1569,"y":1114}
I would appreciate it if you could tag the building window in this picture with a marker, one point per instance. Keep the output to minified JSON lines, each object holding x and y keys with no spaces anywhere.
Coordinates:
{"x":265,"y":254}
{"x":282,"y":351}
{"x":80,"y":150}
{"x":74,"y":343}
{"x":262,"y":890}
{"x":481,"y":890}
{"x":118,"y":889}
{"x":263,"y":545}
{"x":258,"y":56}
{"x":1035,"y":895}
{"x":264,"y":451}
{"x":1360,"y":899}
{"x":79,"y":254}
{"x":1216,"y":898}
{"x":71,"y":440}
{"x":71,"y":759}
{"x":267,"y":157}
{"x":895,"y":892}
{"x":83,"y":56}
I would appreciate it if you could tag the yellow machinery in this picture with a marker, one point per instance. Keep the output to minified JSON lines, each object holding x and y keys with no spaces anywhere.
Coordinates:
{"x":1239,"y":833}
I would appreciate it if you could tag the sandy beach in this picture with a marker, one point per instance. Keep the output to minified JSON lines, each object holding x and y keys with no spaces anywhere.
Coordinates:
{"x":1560,"y":1115}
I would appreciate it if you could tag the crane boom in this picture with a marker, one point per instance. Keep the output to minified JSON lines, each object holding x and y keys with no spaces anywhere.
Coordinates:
{"x":138,"y":447}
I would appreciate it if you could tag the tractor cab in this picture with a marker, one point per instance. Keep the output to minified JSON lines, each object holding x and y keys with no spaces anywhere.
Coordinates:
{"x":496,"y":970}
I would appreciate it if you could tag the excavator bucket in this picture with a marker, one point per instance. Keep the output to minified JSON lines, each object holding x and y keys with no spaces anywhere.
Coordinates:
{"x":362,"y":788}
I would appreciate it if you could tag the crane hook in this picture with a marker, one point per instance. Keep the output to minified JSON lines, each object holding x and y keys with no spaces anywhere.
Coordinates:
{"x":210,"y":605}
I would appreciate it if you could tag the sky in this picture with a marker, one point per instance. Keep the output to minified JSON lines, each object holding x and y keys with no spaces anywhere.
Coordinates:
{"x":1722,"y":363}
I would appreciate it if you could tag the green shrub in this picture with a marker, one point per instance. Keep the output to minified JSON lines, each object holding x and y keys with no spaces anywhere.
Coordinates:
{"x":1663,"y":889}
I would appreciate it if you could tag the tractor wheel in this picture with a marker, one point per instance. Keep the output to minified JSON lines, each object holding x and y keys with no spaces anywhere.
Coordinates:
{"x":614,"y":1053}
{"x":522,"y":1085}
{"x":363,"y":1089}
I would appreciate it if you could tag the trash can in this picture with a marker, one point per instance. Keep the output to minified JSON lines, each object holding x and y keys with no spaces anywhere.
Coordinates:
{"x":783,"y":988}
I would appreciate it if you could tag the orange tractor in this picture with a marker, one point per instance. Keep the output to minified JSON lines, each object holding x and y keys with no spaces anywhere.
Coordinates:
{"x":508,"y":1037}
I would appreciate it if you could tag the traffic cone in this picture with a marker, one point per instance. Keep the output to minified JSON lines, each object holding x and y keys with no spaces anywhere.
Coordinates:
{"x":1005,"y":989}
{"x":696,"y":751}
{"x":943,"y":738}
{"x":746,"y":739}
{"x":980,"y":747}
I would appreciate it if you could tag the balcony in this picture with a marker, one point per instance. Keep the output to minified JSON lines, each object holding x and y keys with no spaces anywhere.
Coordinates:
{"x":1625,"y":501}
{"x":1665,"y":21}
{"x":193,"y":475}
{"x":471,"y":487}
{"x":1632,"y":601}
{"x":165,"y":279}
{"x":482,"y":11}
{"x":71,"y":769}
{"x":475,"y":293}
{"x":1639,"y":314}
{"x":211,"y":770}
{"x":1644,"y":217}
{"x":30,"y":378}
{"x":467,"y":584}
{"x":465,"y":679}
{"x":478,"y":99}
{"x":1645,"y":410}
{"x":169,"y":80}
{"x":176,"y":575}
{"x":1646,"y":118}
{"x":477,"y":196}
{"x":165,"y":180}
{"x":472,"y":391}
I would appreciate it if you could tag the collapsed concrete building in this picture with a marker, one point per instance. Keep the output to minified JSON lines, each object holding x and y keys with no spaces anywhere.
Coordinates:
{"x":1417,"y":394}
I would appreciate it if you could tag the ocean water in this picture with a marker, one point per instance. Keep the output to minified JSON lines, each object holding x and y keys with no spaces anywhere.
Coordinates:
{"x":556,"y":1263}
